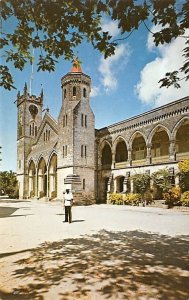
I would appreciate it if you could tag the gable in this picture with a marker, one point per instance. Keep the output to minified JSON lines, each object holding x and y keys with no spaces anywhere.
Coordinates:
{"x":48,"y":130}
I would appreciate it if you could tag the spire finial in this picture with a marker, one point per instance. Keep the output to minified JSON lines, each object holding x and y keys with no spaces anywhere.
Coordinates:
{"x":76,"y":65}
{"x":41,"y":93}
{"x":25,"y":89}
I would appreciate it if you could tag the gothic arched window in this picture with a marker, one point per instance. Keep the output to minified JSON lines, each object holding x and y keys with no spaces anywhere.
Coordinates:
{"x":35,"y":130}
{"x":74,"y":91}
{"x":84,"y":92}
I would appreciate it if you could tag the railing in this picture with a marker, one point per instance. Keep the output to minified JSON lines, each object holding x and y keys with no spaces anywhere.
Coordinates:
{"x":121,"y":164}
{"x":160,"y":159}
{"x":139,"y":162}
{"x":182,"y":156}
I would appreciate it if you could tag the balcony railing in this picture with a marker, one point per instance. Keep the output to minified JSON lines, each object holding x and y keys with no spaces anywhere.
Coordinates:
{"x":182,"y":156}
{"x":139,"y":162}
{"x":121,"y":164}
{"x":160,"y":159}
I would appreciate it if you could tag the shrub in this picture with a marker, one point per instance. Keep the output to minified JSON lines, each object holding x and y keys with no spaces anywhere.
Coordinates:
{"x":184,"y":166}
{"x":184,"y":174}
{"x":116,"y":198}
{"x":172,"y":197}
{"x":185,"y":198}
{"x":148,"y":196}
{"x":132,"y":198}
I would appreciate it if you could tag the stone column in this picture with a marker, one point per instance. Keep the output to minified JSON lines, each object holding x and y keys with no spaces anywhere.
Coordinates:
{"x":148,"y":156}
{"x":114,"y":185}
{"x":30,"y":185}
{"x":132,"y":186}
{"x":109,"y":184}
{"x":36,"y":185}
{"x":113,"y":161}
{"x":40,"y":184}
{"x":125,"y":185}
{"x":129,"y":161}
{"x":50,"y":184}
{"x":47,"y":192}
{"x":172,"y":150}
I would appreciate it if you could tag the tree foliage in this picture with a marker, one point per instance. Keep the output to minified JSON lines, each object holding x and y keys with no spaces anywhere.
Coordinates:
{"x":184,"y":174}
{"x":8,"y":183}
{"x":162,"y":179}
{"x":141,"y":182}
{"x":57,"y":27}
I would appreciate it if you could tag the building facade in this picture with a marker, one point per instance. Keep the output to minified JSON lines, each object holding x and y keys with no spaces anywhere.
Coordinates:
{"x":53,"y":155}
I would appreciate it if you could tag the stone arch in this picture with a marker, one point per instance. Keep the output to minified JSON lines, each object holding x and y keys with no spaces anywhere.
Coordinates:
{"x":181,"y":137}
{"x":38,"y":160}
{"x":178,"y":124}
{"x":52,"y":175}
{"x":32,"y":178}
{"x":155,"y":129}
{"x":119,"y":183}
{"x":160,"y":141}
{"x":42,"y":177}
{"x":139,"y":149}
{"x":102,"y":144}
{"x":120,"y":149}
{"x":133,"y":136}
{"x":106,"y":154}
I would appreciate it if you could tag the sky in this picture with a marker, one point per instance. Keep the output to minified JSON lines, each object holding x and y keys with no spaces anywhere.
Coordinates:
{"x":123,"y":85}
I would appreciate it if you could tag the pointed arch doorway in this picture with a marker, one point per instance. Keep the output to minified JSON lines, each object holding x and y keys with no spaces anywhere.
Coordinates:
{"x":42,"y":178}
{"x":52,"y":176}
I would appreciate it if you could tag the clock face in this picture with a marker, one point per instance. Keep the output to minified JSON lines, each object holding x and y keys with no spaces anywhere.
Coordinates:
{"x":33,"y":110}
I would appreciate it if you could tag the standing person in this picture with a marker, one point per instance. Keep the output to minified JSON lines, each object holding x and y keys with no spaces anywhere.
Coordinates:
{"x":68,"y":201}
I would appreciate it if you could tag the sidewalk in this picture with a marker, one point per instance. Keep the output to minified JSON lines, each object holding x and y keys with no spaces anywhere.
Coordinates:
{"x":108,"y":252}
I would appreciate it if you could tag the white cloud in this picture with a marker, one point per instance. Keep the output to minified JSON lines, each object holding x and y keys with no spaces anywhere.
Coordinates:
{"x":111,"y":27}
{"x":109,"y":67}
{"x":169,"y":59}
{"x":95,"y":91}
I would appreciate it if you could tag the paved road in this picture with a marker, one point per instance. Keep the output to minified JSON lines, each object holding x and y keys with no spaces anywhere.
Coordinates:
{"x":108,"y":252}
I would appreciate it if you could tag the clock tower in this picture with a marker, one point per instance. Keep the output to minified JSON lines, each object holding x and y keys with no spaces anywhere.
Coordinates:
{"x":28,"y":121}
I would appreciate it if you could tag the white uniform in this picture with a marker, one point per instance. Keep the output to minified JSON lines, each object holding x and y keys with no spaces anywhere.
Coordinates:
{"x":68,"y":199}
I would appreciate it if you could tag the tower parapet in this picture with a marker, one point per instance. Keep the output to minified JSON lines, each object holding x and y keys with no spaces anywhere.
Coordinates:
{"x":76,"y":85}
{"x":31,"y":98}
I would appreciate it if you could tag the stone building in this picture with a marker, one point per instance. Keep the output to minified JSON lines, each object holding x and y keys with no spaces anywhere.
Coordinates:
{"x":55,"y":154}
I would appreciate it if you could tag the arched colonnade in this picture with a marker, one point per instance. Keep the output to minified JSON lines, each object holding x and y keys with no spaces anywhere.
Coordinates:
{"x":43,"y":177}
{"x":158,"y":147}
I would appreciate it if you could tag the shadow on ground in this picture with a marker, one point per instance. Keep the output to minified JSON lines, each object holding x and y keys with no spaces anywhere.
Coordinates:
{"x":6,"y":212}
{"x":112,"y":265}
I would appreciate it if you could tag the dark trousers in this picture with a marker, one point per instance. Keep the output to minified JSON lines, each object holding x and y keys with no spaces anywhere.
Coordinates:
{"x":68,"y":214}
